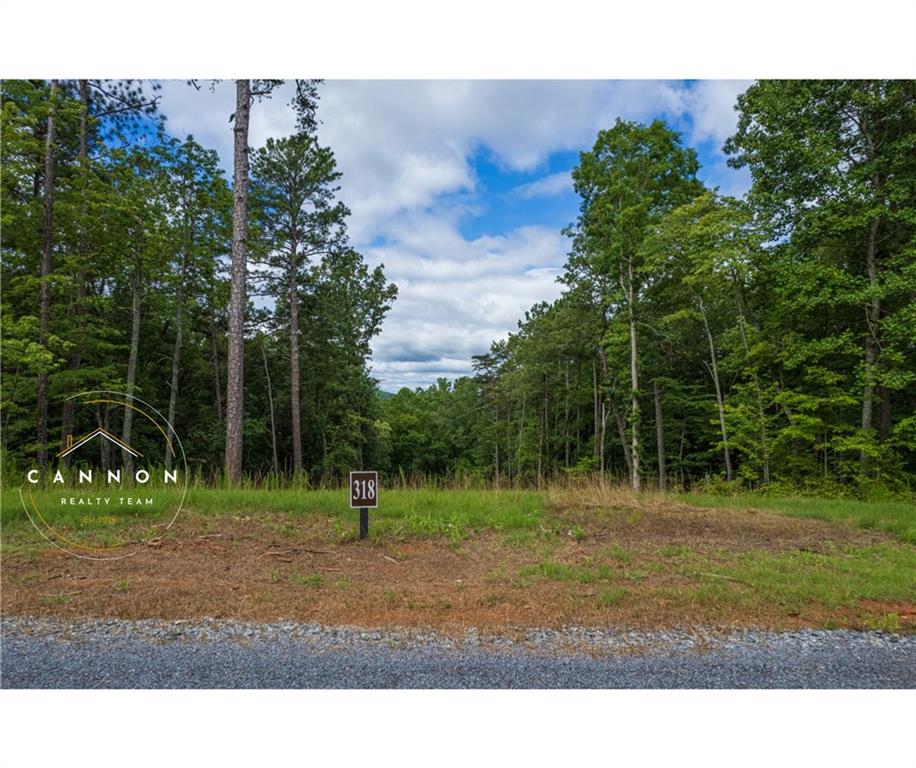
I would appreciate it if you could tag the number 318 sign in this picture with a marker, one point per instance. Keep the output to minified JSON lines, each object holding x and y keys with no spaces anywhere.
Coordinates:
{"x":363,"y":489}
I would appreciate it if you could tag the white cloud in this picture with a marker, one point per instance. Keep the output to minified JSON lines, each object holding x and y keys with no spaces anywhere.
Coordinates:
{"x":710,"y":104}
{"x":406,"y":151}
{"x":546,"y":186}
{"x":455,"y":303}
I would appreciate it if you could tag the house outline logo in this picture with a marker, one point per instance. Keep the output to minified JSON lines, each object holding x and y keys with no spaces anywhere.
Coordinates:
{"x":97,"y":432}
{"x":60,"y":532}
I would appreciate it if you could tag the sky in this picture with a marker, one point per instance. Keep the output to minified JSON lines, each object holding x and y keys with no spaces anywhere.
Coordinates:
{"x":461,"y":188}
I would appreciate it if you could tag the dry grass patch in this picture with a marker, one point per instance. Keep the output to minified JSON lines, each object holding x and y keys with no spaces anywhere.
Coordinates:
{"x":619,"y":560}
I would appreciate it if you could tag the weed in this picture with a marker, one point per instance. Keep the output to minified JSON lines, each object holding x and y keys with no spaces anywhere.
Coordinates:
{"x":675,"y":551}
{"x":886,"y":622}
{"x":577,"y":532}
{"x":894,"y":517}
{"x":52,"y":601}
{"x":611,"y":597}
{"x":618,"y":553}
{"x":313,"y":580}
{"x":554,"y":571}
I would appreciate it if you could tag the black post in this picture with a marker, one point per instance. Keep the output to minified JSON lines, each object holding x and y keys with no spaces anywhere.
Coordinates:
{"x":363,"y":522}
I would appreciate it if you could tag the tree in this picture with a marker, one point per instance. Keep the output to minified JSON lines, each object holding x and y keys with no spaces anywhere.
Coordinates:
{"x":632,"y":176}
{"x":699,"y":252}
{"x":833,"y":161}
{"x":294,"y":182}
{"x":303,"y":101}
{"x":237,"y":298}
{"x":45,"y":296}
{"x":108,"y":109}
{"x":198,"y":201}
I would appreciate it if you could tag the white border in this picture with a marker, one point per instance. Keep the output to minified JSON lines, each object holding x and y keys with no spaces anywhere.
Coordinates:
{"x":474,"y":38}
{"x":461,"y":728}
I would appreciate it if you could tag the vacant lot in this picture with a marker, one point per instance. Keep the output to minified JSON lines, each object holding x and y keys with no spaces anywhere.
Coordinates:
{"x":494,"y":560}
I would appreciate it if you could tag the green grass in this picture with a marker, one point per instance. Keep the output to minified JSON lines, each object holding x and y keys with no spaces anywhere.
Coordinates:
{"x":401,"y":513}
{"x":793,"y":580}
{"x":313,"y":579}
{"x":895,"y":517}
{"x":585,"y":573}
{"x":834,"y":579}
{"x":611,"y":597}
{"x":522,"y":516}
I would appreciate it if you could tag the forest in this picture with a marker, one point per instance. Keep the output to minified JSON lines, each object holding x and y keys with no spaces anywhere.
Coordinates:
{"x":762,"y":342}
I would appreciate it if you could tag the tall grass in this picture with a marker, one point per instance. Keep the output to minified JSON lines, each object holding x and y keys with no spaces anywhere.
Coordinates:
{"x":896,"y":517}
{"x":401,"y":512}
{"x":453,"y":506}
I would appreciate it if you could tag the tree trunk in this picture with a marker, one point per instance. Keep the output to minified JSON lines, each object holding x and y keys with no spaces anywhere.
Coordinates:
{"x":270,"y":400}
{"x":884,"y":414}
{"x":236,"y":357}
{"x":509,"y":443}
{"x":294,"y":361}
{"x":132,"y":362}
{"x":542,"y":424}
{"x":596,"y":415}
{"x":176,"y":354}
{"x":714,"y":372}
{"x":873,"y":320}
{"x":622,"y":435}
{"x":602,"y":461}
{"x":76,"y":356}
{"x":214,"y":361}
{"x":660,"y":437}
{"x":761,"y":412}
{"x":105,"y":445}
{"x":566,"y":416}
{"x":496,"y":438}
{"x":45,"y":292}
{"x":634,"y":381}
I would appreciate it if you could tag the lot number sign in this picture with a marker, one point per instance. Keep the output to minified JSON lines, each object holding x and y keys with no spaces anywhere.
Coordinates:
{"x":363,"y":489}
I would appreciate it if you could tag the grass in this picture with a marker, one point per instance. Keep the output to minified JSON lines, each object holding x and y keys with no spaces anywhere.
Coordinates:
{"x":313,"y":580}
{"x":453,"y":513}
{"x":895,"y":517}
{"x":601,"y":549}
{"x":583,"y":573}
{"x":792,"y":581}
{"x":608,"y":598}
{"x":402,"y":514}
{"x":837,"y":579}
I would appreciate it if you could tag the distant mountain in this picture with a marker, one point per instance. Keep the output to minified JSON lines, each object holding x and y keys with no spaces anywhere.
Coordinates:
{"x":384,"y":395}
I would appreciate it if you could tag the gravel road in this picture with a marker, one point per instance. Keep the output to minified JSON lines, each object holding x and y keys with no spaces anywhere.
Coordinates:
{"x":108,"y":653}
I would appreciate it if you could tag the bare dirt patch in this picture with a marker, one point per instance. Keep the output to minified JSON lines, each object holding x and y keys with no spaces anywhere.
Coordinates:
{"x":614,"y":567}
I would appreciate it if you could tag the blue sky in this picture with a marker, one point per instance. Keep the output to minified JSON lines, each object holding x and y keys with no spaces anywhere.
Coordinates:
{"x":461,"y":188}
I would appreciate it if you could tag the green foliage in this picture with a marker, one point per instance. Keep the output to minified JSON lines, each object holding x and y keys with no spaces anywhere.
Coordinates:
{"x":772,"y":335}
{"x":140,"y":213}
{"x":776,"y":345}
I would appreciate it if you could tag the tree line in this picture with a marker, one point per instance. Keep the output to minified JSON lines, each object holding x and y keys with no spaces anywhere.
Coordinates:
{"x":131,"y":264}
{"x":767,"y":341}
{"x":759,"y":341}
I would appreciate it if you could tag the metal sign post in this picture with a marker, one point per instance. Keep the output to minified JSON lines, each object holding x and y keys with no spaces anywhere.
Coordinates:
{"x":363,"y":495}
